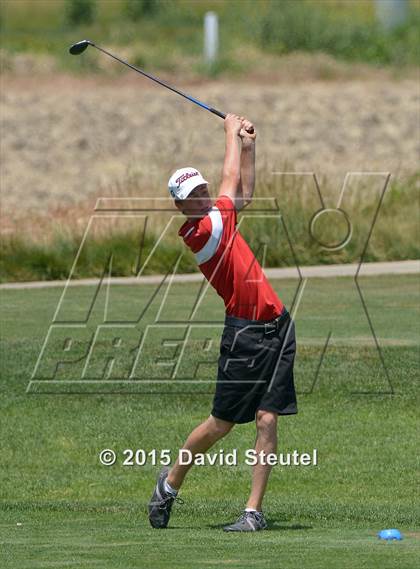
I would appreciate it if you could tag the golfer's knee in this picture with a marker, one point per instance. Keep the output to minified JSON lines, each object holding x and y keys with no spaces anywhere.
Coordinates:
{"x":266,"y":422}
{"x":217,"y":427}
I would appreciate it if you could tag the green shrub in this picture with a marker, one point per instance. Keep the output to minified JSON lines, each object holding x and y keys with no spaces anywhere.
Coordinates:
{"x":291,"y":26}
{"x":137,"y":9}
{"x":80,"y":12}
{"x":345,"y":30}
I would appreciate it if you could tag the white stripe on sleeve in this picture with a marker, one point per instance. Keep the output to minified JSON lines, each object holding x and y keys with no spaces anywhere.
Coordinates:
{"x":212,"y":244}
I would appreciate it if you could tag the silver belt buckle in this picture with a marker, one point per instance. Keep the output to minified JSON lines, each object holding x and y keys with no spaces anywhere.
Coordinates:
{"x":274,"y":324}
{"x":270,"y":328}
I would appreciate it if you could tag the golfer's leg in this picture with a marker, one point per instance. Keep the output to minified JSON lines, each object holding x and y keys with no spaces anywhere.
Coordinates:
{"x":266,"y":423}
{"x":200,"y":440}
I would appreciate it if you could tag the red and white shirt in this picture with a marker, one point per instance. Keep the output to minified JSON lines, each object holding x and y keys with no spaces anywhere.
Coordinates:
{"x":228,"y":263}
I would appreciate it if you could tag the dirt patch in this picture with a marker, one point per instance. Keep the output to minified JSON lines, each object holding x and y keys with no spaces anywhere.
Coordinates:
{"x":65,"y":139}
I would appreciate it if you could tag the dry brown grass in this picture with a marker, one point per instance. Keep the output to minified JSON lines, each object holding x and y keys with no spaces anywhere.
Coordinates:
{"x":67,"y":140}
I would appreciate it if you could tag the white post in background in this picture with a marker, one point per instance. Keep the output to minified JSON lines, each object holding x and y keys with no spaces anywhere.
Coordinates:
{"x":211,"y":37}
{"x":391,"y":13}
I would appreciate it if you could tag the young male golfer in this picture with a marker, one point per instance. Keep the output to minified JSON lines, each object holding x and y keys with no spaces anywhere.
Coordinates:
{"x":257,"y":350}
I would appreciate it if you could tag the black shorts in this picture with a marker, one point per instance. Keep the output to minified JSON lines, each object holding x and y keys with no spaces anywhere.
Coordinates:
{"x":255,"y":369}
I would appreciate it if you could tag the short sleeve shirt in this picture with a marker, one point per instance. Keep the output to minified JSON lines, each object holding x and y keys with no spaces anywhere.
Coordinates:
{"x":228,"y":263}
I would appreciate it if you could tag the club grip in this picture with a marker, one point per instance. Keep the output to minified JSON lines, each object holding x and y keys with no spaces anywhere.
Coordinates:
{"x":218,"y":113}
{"x":223,"y":116}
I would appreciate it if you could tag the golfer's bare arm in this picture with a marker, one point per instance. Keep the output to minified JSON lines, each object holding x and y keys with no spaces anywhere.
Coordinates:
{"x":247,"y":183}
{"x":238,"y":177}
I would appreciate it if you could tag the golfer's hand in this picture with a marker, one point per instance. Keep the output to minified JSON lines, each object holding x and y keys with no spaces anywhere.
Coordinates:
{"x":247,"y":132}
{"x":233,"y":124}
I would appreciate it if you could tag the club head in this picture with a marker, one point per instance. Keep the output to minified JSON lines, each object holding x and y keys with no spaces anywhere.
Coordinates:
{"x":79,"y":47}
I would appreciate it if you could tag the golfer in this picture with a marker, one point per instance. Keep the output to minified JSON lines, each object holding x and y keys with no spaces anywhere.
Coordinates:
{"x":257,"y":349}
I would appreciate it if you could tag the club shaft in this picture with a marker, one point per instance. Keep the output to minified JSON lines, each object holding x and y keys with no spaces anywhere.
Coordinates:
{"x":163,"y":83}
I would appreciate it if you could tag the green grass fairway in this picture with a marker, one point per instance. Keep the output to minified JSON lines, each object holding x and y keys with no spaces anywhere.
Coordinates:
{"x":61,"y":508}
{"x":122,"y":540}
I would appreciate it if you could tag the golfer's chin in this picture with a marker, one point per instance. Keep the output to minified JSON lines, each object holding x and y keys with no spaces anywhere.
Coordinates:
{"x":199,"y":213}
{"x":205,"y":210}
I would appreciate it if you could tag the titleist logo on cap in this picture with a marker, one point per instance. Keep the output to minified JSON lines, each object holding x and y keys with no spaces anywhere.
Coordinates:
{"x":184,"y":177}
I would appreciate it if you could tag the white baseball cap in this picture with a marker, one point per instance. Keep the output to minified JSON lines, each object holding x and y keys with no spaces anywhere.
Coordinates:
{"x":183,"y":181}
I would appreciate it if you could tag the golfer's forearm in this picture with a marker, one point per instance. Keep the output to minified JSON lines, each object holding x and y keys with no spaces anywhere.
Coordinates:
{"x":232,"y":163}
{"x":248,"y":171}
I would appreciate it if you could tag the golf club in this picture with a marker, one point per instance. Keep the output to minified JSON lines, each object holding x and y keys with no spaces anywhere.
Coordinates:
{"x":79,"y":47}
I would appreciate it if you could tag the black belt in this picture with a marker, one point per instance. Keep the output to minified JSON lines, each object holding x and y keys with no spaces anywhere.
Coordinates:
{"x":270,"y":326}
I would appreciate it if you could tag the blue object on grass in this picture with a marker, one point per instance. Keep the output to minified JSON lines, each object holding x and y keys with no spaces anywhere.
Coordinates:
{"x":389,"y":534}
